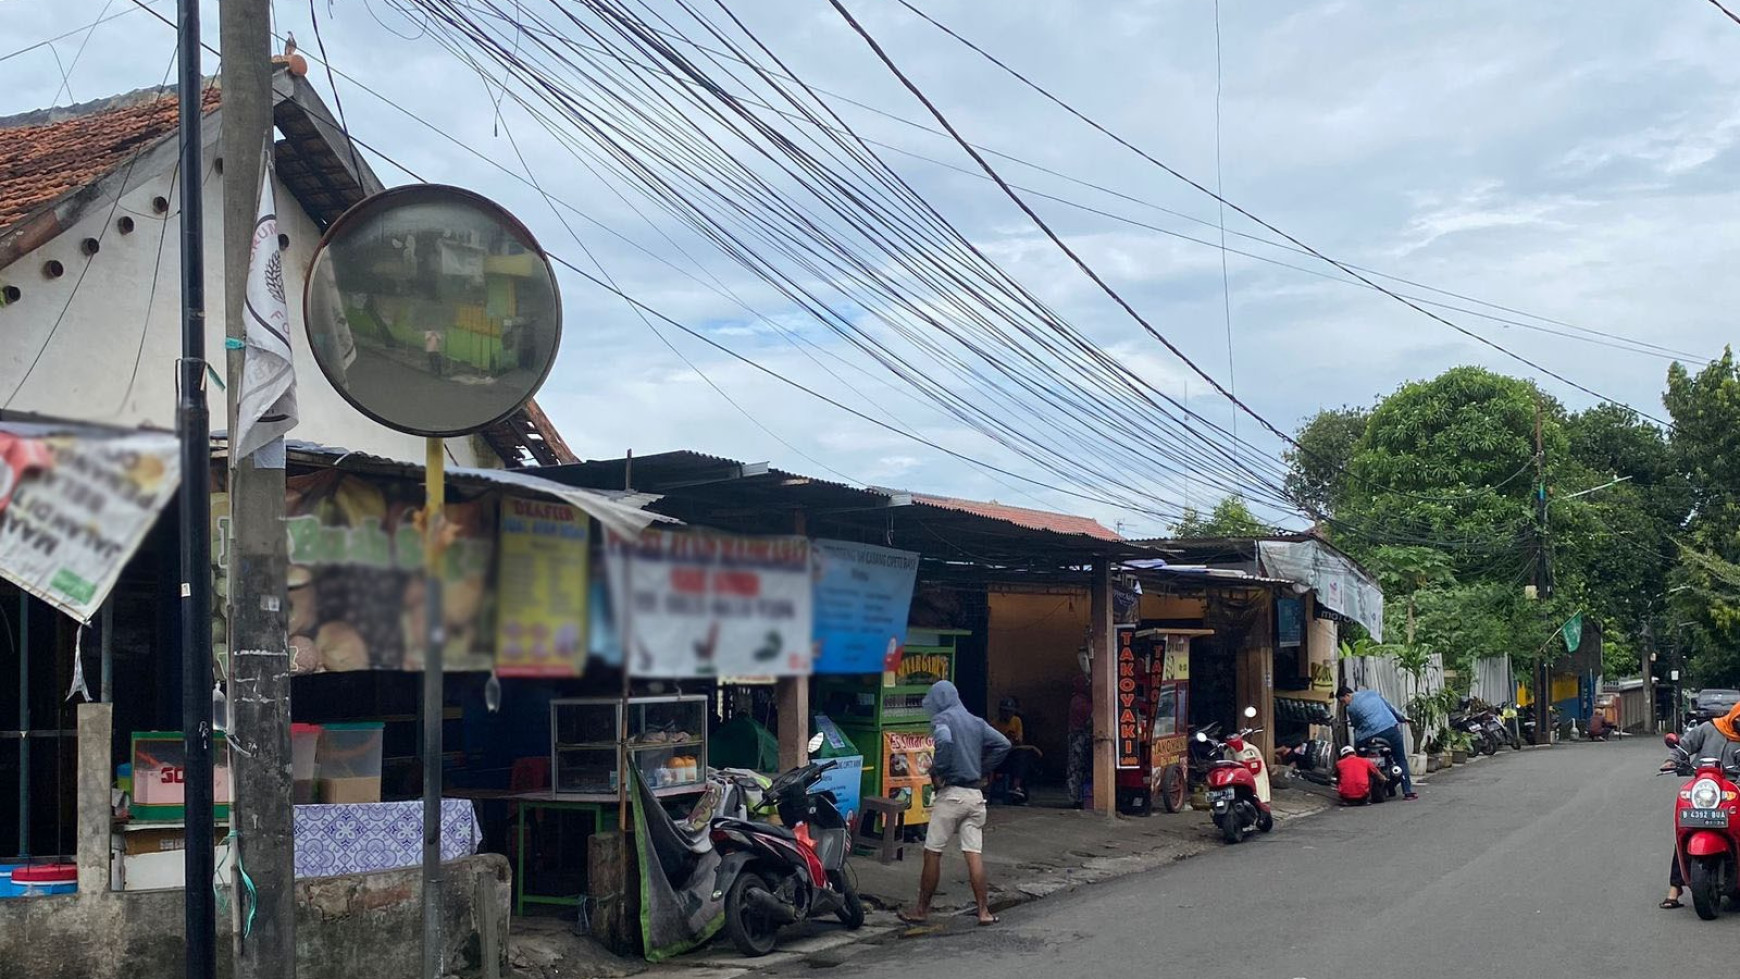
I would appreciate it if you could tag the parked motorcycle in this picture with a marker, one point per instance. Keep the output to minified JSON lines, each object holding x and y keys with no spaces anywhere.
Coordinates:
{"x":1501,"y":724}
{"x":1479,"y":737}
{"x":1383,"y":754}
{"x":1706,"y":832}
{"x":1238,"y":785}
{"x":771,"y":876}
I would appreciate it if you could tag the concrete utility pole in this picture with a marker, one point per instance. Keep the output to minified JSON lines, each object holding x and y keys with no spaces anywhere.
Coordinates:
{"x":792,"y":695}
{"x":1543,"y":586}
{"x":259,"y":661}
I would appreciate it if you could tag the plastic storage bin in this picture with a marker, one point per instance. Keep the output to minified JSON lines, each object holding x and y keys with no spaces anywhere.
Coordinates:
{"x":37,"y":880}
{"x":348,"y":762}
{"x":159,"y":775}
{"x":304,"y":746}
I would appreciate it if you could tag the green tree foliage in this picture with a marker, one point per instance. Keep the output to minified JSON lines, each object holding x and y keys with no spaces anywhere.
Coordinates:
{"x":1705,"y":408}
{"x":1317,"y":466}
{"x":1230,"y":518}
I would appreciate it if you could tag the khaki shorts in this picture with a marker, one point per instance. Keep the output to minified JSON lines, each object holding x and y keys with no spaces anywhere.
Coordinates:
{"x":958,"y":811}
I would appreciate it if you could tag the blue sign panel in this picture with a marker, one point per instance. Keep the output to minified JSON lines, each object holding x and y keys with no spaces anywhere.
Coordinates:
{"x":863,"y":597}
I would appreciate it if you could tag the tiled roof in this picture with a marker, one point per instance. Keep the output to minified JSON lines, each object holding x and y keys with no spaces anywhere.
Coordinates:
{"x":42,"y":161}
{"x":1057,"y":523}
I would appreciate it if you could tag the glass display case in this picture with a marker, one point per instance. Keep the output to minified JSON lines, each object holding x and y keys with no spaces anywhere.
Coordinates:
{"x":667,"y":743}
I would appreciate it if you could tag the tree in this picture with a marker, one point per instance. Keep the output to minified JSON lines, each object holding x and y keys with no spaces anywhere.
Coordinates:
{"x":1705,"y":408}
{"x":1317,"y":465}
{"x":1231,"y":518}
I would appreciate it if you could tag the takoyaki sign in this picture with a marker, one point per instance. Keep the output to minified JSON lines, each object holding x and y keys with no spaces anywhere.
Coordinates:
{"x":1129,"y":712}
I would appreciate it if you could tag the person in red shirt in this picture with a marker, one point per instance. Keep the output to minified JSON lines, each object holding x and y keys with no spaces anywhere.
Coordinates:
{"x":1356,"y":778}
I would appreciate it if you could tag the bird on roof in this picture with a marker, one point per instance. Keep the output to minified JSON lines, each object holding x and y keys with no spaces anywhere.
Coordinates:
{"x":289,"y":43}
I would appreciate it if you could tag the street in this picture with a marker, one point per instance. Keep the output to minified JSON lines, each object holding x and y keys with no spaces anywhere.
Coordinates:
{"x":1544,"y":863}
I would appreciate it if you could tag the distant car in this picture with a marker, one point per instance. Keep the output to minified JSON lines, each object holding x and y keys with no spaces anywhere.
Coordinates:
{"x":1715,"y":703}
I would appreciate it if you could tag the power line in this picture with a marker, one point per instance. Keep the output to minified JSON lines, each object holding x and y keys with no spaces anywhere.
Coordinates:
{"x":1177,"y":174}
{"x":101,"y":20}
{"x":1225,"y":281}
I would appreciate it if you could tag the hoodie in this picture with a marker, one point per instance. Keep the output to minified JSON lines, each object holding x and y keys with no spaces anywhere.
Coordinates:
{"x":966,"y":746}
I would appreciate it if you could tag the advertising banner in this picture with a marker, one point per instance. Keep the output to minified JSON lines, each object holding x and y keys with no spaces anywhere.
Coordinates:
{"x":863,"y":597}
{"x":846,"y":781}
{"x":73,"y":509}
{"x":542,"y":588}
{"x":701,"y":605}
{"x":1129,"y":718}
{"x":356,"y":575}
{"x":906,"y":761}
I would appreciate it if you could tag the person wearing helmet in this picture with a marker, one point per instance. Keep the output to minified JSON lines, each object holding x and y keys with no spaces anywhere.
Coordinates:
{"x":1357,"y":779}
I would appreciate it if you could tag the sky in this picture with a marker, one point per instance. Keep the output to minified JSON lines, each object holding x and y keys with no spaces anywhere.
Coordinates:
{"x":1572,"y":161}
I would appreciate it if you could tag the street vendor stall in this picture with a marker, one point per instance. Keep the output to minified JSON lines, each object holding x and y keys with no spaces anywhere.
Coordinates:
{"x":1154,"y":717}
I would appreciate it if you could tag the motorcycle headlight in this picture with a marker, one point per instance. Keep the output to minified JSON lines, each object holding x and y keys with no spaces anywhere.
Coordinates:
{"x":1706,"y":794}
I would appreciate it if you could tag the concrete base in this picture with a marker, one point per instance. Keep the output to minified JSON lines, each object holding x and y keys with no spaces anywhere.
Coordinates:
{"x":366,"y":925}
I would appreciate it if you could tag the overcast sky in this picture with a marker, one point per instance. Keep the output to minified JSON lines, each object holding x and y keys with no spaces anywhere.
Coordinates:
{"x":1572,"y":160}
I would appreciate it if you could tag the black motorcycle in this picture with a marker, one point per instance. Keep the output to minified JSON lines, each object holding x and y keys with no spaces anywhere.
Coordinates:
{"x":1383,"y":754}
{"x":772,"y":876}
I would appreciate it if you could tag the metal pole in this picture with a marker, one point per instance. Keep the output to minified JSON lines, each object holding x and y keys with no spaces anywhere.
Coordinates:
{"x":23,"y":723}
{"x":435,"y":490}
{"x":193,"y":424}
{"x":107,"y":686}
{"x":262,"y":817}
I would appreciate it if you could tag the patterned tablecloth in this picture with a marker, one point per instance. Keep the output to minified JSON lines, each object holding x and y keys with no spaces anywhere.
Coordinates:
{"x":365,"y":837}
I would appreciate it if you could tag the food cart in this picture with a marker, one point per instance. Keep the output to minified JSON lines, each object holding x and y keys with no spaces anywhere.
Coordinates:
{"x":1153,"y":717}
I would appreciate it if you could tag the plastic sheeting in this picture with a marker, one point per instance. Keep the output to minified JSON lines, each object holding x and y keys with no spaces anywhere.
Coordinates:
{"x":1341,"y":584}
{"x":1494,"y":681}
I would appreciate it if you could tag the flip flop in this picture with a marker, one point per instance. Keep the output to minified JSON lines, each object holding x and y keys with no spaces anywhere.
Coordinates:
{"x":907,"y":917}
{"x":986,"y":924}
{"x":1668,"y":904}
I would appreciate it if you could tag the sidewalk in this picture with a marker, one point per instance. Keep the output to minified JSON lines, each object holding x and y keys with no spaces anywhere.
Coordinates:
{"x":1030,"y":853}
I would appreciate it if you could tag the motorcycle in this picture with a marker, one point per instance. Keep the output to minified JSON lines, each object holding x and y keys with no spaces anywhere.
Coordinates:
{"x":1480,"y":738}
{"x":1706,"y":830}
{"x":1501,"y":725}
{"x":1312,"y":761}
{"x":1238,"y":785}
{"x":1380,"y":751}
{"x":771,"y":876}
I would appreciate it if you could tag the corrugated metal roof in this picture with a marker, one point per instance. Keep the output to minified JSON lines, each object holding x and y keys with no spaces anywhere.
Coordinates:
{"x":1057,"y":523}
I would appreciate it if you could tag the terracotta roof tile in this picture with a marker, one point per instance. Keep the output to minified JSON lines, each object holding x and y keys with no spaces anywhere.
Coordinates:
{"x":42,"y":162}
{"x":1057,"y":523}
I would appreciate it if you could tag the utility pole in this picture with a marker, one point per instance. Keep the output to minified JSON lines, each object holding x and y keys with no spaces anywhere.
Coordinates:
{"x":1648,"y":659}
{"x":193,"y":426}
{"x":1543,"y":584}
{"x":259,"y":661}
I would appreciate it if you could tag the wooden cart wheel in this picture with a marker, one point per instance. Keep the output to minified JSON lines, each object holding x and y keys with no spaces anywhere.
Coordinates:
{"x":1172,"y":788}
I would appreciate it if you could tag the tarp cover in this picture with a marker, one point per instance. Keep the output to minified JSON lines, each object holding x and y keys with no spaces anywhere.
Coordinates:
{"x":677,"y":908}
{"x":1341,"y":584}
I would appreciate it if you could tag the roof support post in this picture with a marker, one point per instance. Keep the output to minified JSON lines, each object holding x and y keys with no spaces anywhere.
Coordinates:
{"x":1105,"y":690}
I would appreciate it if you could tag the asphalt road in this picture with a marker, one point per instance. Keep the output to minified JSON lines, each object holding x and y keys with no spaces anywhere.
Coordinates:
{"x":1544,"y":863}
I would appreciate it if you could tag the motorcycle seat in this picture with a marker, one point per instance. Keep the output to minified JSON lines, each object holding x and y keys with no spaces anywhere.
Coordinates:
{"x":750,"y":826}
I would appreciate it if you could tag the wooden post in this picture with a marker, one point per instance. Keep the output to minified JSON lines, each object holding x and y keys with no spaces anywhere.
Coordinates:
{"x":1105,"y":691}
{"x":793,"y":693}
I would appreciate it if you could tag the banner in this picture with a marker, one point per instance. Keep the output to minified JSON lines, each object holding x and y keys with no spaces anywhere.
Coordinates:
{"x":863,"y":598}
{"x":542,"y":588}
{"x":1289,"y":622}
{"x":1129,"y":719}
{"x":906,"y":761}
{"x":701,"y":605}
{"x":266,"y":398}
{"x":79,"y":507}
{"x":357,"y":579}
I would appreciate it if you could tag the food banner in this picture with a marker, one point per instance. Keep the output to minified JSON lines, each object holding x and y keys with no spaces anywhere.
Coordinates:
{"x":863,"y":598}
{"x":357,"y":578}
{"x":542,"y":587}
{"x":74,"y":508}
{"x":704,"y":605}
{"x":906,"y":761}
{"x":1129,"y":716}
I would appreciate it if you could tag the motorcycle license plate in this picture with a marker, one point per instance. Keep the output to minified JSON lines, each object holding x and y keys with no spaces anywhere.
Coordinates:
{"x":1220,"y":794}
{"x":1704,"y":818}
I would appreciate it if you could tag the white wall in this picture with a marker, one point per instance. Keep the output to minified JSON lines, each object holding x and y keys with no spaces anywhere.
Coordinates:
{"x":115,"y":319}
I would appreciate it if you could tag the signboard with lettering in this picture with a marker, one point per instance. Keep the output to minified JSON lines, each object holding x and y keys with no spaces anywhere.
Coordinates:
{"x":863,"y":599}
{"x":1129,"y":714}
{"x":702,"y":605}
{"x":541,"y":581}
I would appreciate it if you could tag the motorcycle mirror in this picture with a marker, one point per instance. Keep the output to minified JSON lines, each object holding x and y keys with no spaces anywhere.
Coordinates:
{"x":1250,"y":712}
{"x":816,"y":742}
{"x":1202,"y":737}
{"x":1671,"y":739}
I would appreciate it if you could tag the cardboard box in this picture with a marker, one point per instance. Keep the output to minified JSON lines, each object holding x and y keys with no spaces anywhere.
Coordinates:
{"x":344,"y":791}
{"x":169,"y":839}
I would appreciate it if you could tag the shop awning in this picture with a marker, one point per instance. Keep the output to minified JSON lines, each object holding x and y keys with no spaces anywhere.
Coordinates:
{"x":76,"y":501}
{"x":1340,"y":583}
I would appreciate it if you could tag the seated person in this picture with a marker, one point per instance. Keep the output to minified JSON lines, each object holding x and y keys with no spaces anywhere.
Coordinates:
{"x":1022,"y":756}
{"x":1357,"y":779}
{"x":1600,"y":728}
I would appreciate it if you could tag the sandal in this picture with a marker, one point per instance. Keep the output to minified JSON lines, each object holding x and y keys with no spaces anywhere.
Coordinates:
{"x":986,"y":924}
{"x":1668,"y":904}
{"x":907,"y":917}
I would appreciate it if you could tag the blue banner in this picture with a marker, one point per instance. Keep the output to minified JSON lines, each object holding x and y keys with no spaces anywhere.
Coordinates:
{"x":1289,"y":622}
{"x":863,"y":597}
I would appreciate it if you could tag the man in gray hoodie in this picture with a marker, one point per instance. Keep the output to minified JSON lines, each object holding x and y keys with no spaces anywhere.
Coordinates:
{"x":966,"y":748}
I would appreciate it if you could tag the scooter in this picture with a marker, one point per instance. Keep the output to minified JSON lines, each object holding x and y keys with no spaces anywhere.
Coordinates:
{"x":1706,"y":830}
{"x":1383,"y":755}
{"x":1500,"y":732}
{"x":1479,"y":737}
{"x":771,"y":876}
{"x":1238,"y":785}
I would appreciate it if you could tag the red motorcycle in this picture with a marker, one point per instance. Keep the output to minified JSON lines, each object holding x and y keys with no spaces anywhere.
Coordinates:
{"x":1706,"y":830}
{"x":1238,"y":786}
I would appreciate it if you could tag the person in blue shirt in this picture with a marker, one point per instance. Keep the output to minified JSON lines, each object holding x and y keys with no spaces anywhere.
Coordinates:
{"x":1371,"y":717}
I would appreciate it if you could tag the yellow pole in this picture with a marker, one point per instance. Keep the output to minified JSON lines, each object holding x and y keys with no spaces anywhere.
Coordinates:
{"x":434,"y":699}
